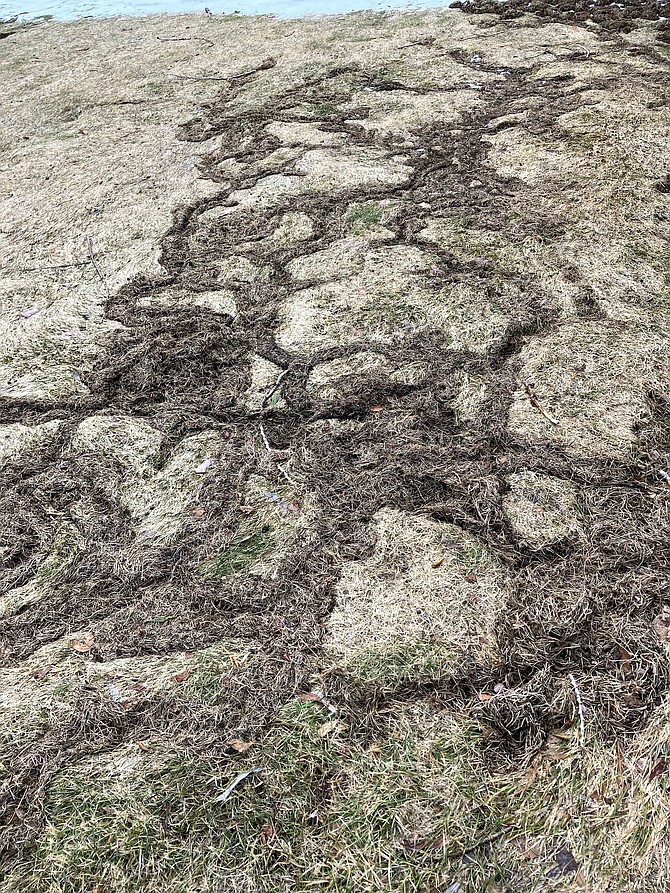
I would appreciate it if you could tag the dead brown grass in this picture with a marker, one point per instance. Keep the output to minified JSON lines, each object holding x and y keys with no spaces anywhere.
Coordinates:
{"x":345,"y":437}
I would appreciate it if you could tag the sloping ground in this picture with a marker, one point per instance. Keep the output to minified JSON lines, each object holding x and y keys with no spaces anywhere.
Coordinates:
{"x":335,"y":455}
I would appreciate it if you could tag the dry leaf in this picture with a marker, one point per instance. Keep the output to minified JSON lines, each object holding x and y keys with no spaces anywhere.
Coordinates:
{"x":319,"y":698}
{"x":180,"y":677}
{"x":40,"y":674}
{"x":198,"y":512}
{"x":565,"y":864}
{"x":437,"y":562}
{"x":661,"y":626}
{"x":659,"y":769}
{"x":483,"y":696}
{"x":84,"y":643}
{"x":471,"y":578}
{"x":375,"y":748}
{"x":309,"y":696}
{"x":268,"y":831}
{"x":144,"y":747}
{"x":377,"y":408}
{"x":331,"y":726}
{"x":421,"y":844}
{"x":238,"y":745}
{"x":625,"y":657}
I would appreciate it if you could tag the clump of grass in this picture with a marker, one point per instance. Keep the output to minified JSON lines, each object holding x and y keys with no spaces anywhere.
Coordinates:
{"x":365,"y":216}
{"x":323,"y":110}
{"x":414,"y":662}
{"x":238,"y":556}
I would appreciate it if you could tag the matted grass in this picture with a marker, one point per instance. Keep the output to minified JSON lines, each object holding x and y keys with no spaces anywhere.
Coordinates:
{"x":335,"y":454}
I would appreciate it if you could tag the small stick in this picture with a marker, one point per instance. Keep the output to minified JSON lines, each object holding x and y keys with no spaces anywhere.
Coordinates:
{"x":225,"y":795}
{"x":96,"y":267}
{"x":535,"y":402}
{"x":269,"y":63}
{"x":81,"y":263}
{"x":265,"y":440}
{"x":485,"y":841}
{"x":206,"y":39}
{"x":324,"y":700}
{"x":271,"y":393}
{"x":580,"y":707}
{"x":274,"y":453}
{"x":286,"y":475}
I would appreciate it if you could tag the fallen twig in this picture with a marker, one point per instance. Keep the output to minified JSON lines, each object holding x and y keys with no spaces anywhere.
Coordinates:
{"x":206,"y":39}
{"x":275,"y":453}
{"x":535,"y":403}
{"x":580,"y":706}
{"x":235,"y":782}
{"x":269,"y":448}
{"x":270,"y":394}
{"x":96,"y":267}
{"x":286,"y":475}
{"x":486,"y":840}
{"x":80,"y":263}
{"x":264,"y":66}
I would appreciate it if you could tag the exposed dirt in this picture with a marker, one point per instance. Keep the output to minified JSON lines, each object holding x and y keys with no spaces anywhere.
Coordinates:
{"x":582,"y":604}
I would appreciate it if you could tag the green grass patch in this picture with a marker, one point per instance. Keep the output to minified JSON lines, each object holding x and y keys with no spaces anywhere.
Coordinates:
{"x":238,"y":556}
{"x":391,"y":669}
{"x":362,"y":217}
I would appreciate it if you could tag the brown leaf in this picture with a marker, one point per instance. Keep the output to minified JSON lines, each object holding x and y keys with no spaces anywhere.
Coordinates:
{"x":144,"y":747}
{"x":198,"y":512}
{"x":238,"y":745}
{"x":41,"y":673}
{"x":625,"y":657}
{"x":437,"y":561}
{"x":309,"y":696}
{"x":268,"y":831}
{"x":484,"y":696}
{"x":375,"y":748}
{"x":661,"y":627}
{"x":421,"y":844}
{"x":84,"y":644}
{"x":377,"y":408}
{"x":180,"y":677}
{"x":659,"y":769}
{"x":471,"y":578}
{"x":565,"y":864}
